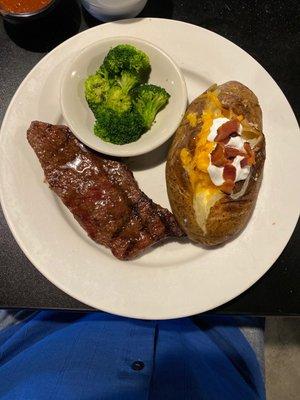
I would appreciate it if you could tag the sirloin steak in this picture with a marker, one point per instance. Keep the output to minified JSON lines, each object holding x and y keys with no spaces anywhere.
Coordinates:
{"x":102,"y":194}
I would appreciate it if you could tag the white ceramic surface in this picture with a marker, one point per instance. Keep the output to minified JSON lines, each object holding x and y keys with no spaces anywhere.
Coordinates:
{"x":174,"y":279}
{"x":109,"y":10}
{"x":80,"y":118}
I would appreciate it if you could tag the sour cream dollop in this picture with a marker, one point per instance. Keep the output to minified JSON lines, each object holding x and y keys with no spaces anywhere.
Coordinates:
{"x":217,"y":123}
{"x":236,"y":142}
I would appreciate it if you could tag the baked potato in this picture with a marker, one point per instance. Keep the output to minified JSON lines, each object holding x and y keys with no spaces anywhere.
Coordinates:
{"x":215,"y":163}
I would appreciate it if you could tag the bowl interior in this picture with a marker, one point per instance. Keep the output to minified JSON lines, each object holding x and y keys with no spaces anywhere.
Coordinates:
{"x":81,"y":120}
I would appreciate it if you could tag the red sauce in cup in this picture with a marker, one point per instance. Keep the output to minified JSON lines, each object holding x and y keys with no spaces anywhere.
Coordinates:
{"x":23,"y":6}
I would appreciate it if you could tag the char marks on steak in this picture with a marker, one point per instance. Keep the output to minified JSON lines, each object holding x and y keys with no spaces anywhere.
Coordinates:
{"x":102,"y":194}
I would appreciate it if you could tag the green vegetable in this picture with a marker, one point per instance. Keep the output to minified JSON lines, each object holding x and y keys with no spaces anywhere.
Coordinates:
{"x":96,"y":88}
{"x":148,"y":100}
{"x":117,"y":100}
{"x":119,"y":128}
{"x":127,"y":81}
{"x":102,"y":71}
{"x":125,"y":57}
{"x":123,"y":106}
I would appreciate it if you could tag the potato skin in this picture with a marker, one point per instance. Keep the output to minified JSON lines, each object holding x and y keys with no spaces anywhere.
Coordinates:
{"x":228,"y":216}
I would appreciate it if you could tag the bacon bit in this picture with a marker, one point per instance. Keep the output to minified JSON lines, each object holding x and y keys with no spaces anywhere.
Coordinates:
{"x":223,"y":155}
{"x":227,"y":187}
{"x":225,"y":141}
{"x":244,"y":162}
{"x":250,"y":159}
{"x":249,"y":151}
{"x":229,"y":172}
{"x":227,"y":129}
{"x":218,"y":156}
{"x":247,"y":147}
{"x":247,"y":161}
{"x":231,"y":152}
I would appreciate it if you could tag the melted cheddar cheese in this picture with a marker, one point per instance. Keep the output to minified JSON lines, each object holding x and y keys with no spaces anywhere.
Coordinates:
{"x":196,"y":163}
{"x":192,"y":118}
{"x":206,"y":194}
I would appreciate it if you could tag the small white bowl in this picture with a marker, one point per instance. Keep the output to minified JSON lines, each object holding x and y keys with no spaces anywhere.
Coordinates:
{"x":80,"y":118}
{"x":111,"y":10}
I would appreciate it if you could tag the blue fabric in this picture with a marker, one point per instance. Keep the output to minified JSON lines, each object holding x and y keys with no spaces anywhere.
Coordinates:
{"x":71,"y":356}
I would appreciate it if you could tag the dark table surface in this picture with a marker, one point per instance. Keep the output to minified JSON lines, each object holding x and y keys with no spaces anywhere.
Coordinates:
{"x":268,"y":30}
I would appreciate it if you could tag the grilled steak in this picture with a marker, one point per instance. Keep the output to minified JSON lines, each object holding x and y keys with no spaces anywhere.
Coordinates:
{"x":101,"y":193}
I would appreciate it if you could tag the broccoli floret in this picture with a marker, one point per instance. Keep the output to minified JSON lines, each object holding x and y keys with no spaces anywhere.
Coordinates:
{"x":96,"y":88}
{"x":102,"y":71}
{"x":127,"y":81}
{"x":117,"y":100}
{"x":125,"y":57}
{"x":123,"y":105}
{"x":148,"y":100}
{"x":119,"y":128}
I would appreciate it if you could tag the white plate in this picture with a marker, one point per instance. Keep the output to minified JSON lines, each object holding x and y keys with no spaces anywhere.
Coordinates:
{"x":172,"y":280}
{"x":164,"y":72}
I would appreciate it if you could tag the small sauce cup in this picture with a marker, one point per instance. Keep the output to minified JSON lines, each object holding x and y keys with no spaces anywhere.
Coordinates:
{"x":12,"y":16}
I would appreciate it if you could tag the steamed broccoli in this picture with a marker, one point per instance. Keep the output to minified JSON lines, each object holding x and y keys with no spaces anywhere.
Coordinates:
{"x":119,"y":128}
{"x":127,"y":81}
{"x":117,"y":100}
{"x":102,"y":71}
{"x":148,"y":100}
{"x":96,"y":88}
{"x":124,"y":107}
{"x":125,"y":57}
